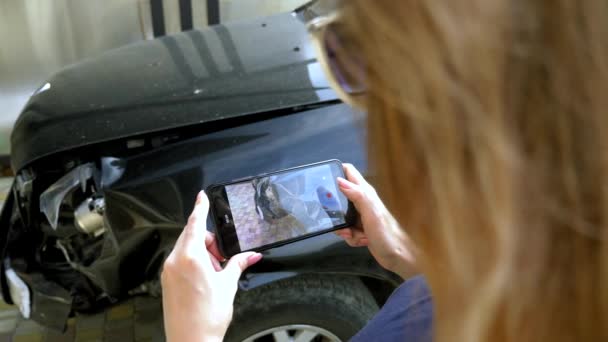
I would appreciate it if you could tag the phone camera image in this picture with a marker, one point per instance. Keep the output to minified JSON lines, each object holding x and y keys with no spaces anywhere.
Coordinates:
{"x":284,"y":206}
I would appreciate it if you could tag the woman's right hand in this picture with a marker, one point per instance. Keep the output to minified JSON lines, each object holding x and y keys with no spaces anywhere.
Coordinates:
{"x":379,"y":231}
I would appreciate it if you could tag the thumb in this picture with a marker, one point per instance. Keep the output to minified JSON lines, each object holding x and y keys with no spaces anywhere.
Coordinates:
{"x":353,"y":192}
{"x":239,"y":263}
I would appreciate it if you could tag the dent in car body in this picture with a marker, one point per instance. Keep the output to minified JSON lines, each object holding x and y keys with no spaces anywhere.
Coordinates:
{"x":151,"y":200}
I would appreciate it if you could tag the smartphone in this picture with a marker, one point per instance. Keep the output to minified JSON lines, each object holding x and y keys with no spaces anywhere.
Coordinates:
{"x":269,"y":210}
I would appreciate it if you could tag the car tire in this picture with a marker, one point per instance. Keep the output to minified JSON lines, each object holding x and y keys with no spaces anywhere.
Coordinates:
{"x":336,"y":307}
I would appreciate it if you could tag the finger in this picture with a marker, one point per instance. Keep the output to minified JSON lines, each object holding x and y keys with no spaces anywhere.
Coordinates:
{"x":352,"y":242}
{"x":347,"y":235}
{"x":179,"y":243}
{"x":363,"y":242}
{"x":215,"y":262}
{"x":191,"y":244}
{"x":354,"y":192}
{"x":353,"y":175}
{"x":352,"y":236}
{"x":196,"y":229}
{"x":211,"y":244}
{"x":358,"y":234}
{"x":344,"y":233}
{"x":187,"y":244}
{"x":239,"y":263}
{"x":356,"y":239}
{"x":187,"y":231}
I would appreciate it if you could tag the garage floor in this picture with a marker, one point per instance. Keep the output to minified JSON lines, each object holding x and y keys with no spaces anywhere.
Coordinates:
{"x":139,"y":319}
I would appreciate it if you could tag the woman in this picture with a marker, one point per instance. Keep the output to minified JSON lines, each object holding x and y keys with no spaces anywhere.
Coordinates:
{"x":488,"y":137}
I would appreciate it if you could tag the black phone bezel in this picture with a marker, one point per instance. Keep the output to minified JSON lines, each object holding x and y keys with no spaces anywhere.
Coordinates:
{"x":225,"y":232}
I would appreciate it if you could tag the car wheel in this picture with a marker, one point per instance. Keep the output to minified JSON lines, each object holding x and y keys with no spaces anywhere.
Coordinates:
{"x":304,"y":308}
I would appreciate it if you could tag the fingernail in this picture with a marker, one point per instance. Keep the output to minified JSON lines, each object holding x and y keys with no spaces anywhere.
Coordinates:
{"x":254,"y":258}
{"x":199,"y":197}
{"x":343,"y":183}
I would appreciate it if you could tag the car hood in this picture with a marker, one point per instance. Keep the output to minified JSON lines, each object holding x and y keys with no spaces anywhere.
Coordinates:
{"x":184,"y":79}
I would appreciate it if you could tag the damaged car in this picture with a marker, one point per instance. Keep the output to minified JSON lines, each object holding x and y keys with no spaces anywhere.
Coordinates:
{"x":109,"y":154}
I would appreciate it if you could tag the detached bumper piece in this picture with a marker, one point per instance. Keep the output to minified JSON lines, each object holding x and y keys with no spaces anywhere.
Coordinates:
{"x":18,"y":290}
{"x":39,"y":299}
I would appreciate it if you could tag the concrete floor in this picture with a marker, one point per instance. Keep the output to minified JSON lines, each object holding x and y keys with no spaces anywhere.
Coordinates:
{"x":139,"y":319}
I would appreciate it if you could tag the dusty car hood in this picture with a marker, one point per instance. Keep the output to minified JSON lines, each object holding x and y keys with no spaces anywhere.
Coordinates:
{"x":188,"y":78}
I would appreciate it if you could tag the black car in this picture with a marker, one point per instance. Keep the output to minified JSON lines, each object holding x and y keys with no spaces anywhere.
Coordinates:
{"x":110,"y":153}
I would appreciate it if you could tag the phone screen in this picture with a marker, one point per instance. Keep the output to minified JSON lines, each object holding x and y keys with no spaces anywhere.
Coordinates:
{"x":279,"y":207}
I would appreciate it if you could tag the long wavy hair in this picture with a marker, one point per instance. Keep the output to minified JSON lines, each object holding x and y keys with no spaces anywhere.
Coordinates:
{"x":488,"y":138}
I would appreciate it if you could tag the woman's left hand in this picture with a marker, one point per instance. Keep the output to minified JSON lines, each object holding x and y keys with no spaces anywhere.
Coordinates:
{"x":198,"y":295}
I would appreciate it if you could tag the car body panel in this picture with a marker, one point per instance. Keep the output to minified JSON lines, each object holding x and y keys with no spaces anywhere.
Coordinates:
{"x":157,"y":189}
{"x":188,"y":78}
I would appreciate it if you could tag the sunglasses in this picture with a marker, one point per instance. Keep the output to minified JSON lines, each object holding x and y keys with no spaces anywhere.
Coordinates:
{"x":345,"y":70}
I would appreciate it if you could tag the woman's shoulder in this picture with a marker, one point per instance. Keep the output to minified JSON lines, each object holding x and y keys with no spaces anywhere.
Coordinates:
{"x":406,"y":316}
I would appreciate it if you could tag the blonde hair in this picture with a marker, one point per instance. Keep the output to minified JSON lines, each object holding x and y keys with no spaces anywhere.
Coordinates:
{"x":488,"y":135}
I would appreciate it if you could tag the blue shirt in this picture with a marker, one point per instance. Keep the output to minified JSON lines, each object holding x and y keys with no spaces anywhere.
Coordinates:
{"x":407,"y":315}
